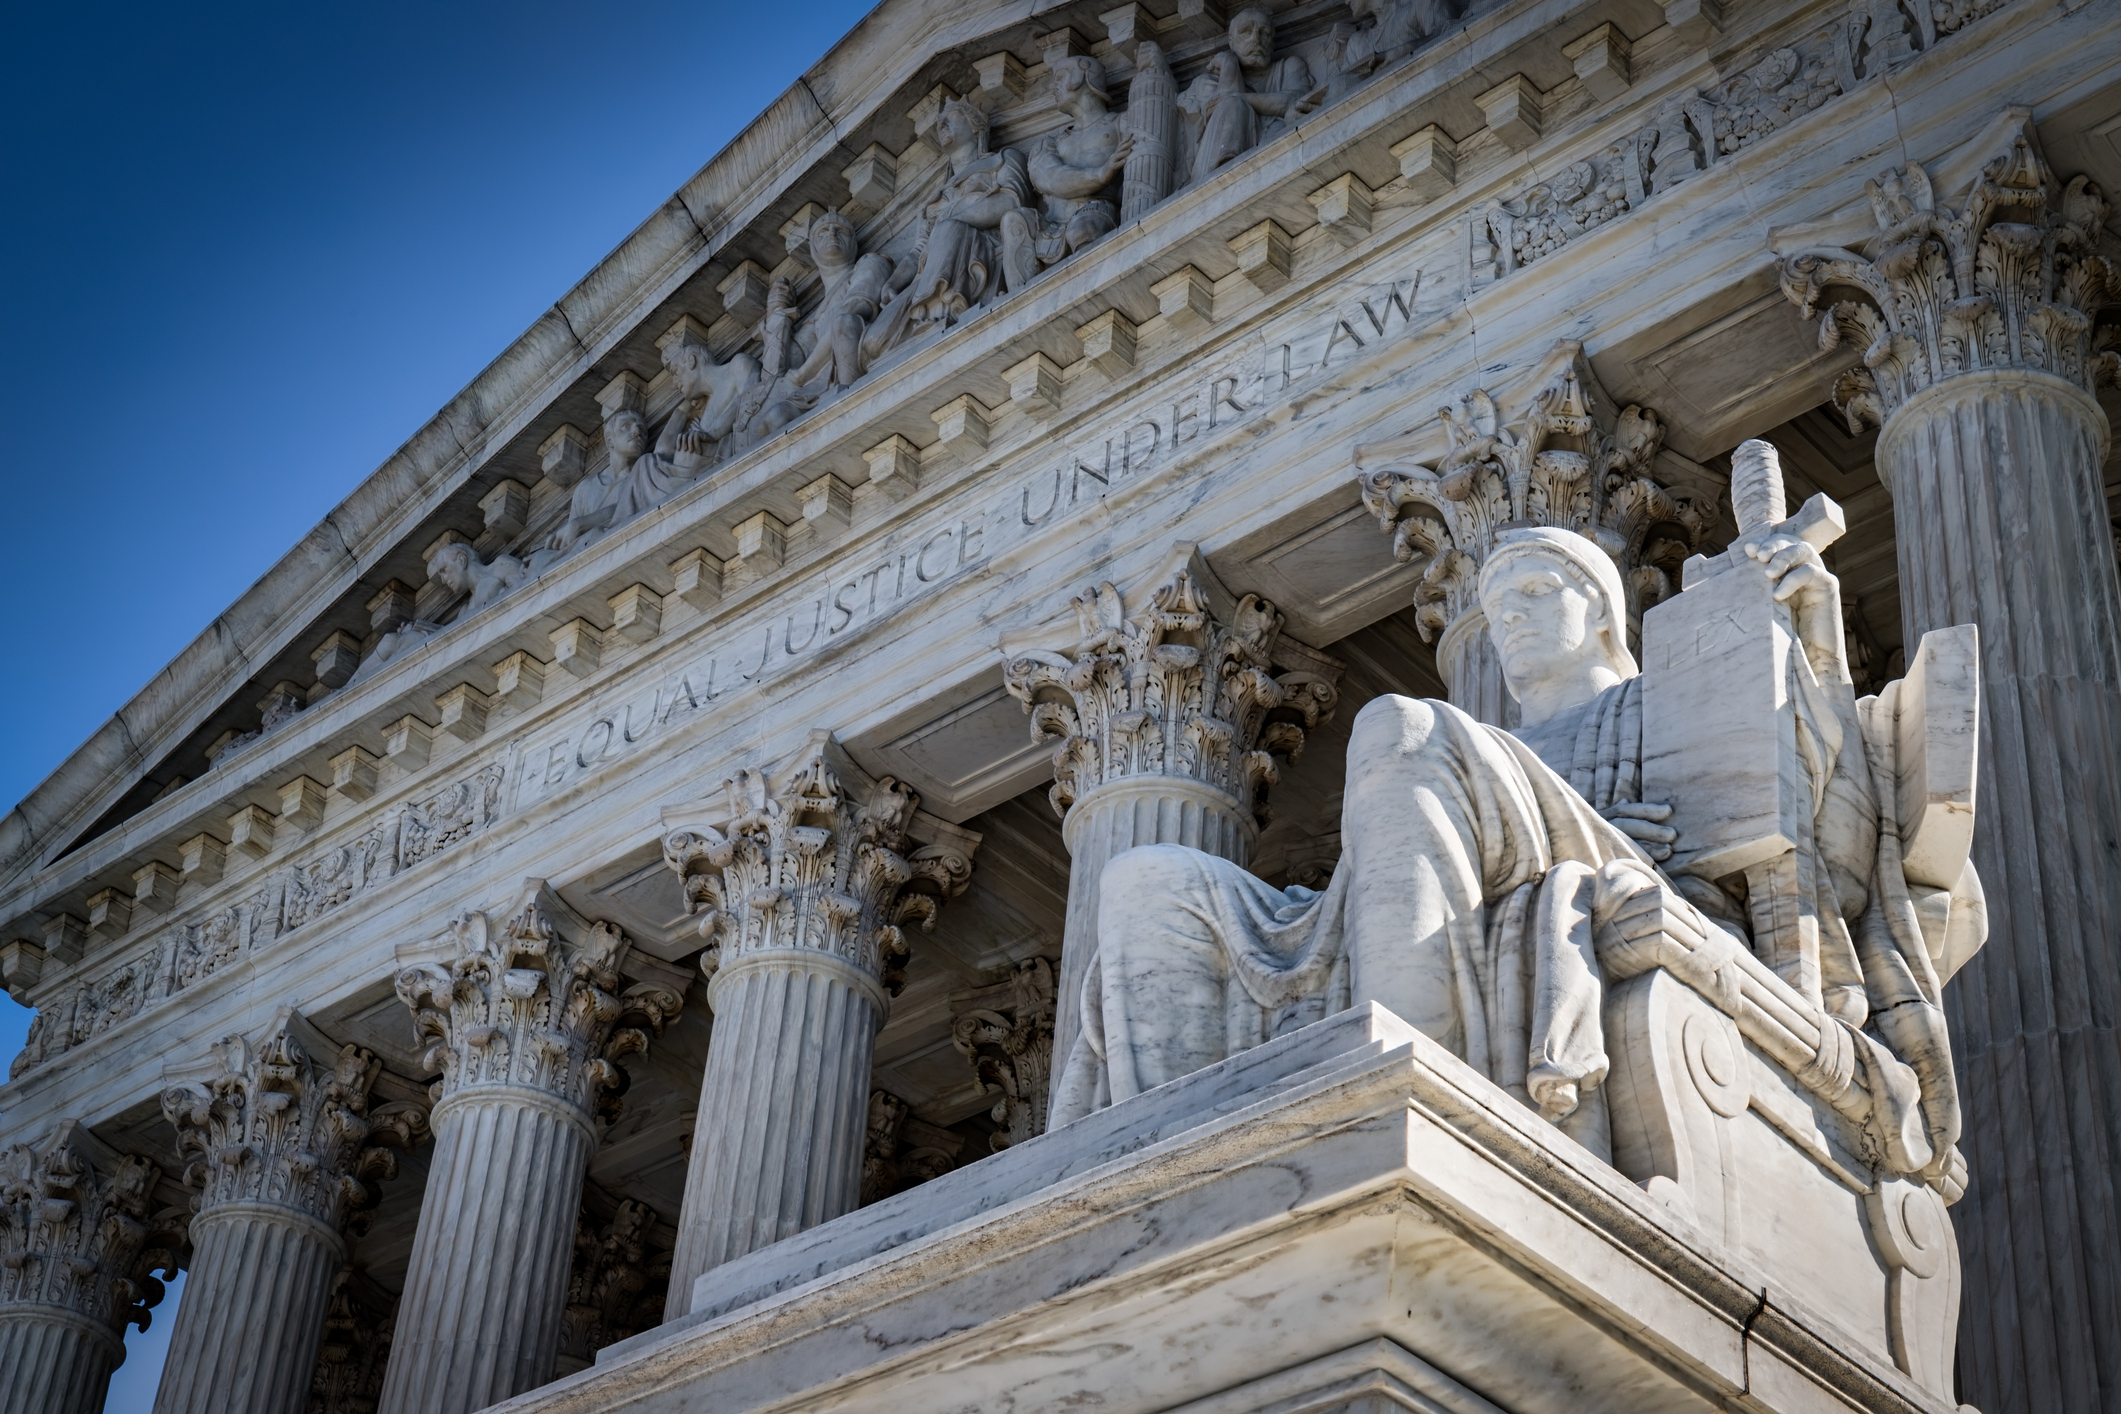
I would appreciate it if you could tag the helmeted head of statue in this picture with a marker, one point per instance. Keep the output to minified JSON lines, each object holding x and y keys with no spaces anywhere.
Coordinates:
{"x":1555,"y":606}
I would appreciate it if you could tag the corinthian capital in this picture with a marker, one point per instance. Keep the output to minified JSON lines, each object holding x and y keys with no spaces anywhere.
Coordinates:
{"x":817,"y":864}
{"x":537,"y":1002}
{"x":286,"y":1120}
{"x":1175,"y":690}
{"x":2008,"y":279}
{"x":1567,"y":458}
{"x":75,"y":1230}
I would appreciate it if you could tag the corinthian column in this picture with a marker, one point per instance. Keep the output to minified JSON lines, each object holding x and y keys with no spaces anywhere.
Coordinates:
{"x":73,"y":1269}
{"x":1979,"y":364}
{"x":804,"y":893}
{"x":1168,"y":723}
{"x":1569,"y":460}
{"x":525,"y":1022}
{"x":286,"y":1146}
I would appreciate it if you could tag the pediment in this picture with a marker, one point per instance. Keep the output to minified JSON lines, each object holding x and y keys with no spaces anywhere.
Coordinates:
{"x":856,"y":136}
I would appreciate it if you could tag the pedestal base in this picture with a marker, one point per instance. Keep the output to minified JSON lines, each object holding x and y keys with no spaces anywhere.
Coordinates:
{"x":1345,"y":1214}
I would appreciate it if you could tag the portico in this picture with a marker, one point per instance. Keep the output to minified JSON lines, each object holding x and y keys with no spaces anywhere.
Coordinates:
{"x":686,"y":876}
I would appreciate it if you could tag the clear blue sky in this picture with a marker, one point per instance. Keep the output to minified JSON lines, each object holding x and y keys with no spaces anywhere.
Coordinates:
{"x":250,"y":249}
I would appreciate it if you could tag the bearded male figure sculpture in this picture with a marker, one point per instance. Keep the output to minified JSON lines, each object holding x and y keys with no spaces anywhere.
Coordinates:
{"x":1486,"y":875}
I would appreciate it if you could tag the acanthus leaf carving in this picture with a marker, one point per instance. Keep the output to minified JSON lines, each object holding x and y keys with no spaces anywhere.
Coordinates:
{"x":1010,"y":1048}
{"x":286,"y":1120}
{"x":2010,"y":279}
{"x":527,"y":1004}
{"x":810,"y":864}
{"x":1567,"y":460}
{"x":76,"y":1230}
{"x":1170,"y":691}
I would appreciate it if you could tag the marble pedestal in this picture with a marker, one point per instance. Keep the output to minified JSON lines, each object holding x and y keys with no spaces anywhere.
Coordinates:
{"x":1345,"y":1214}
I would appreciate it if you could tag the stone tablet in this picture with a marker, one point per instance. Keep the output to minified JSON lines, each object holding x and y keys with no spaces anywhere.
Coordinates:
{"x":1719,"y":730}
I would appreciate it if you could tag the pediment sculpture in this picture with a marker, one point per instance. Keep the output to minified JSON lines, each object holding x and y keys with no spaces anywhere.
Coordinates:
{"x":1733,"y":817}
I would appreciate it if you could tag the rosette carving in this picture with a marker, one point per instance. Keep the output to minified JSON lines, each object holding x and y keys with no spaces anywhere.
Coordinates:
{"x":1172,"y":691}
{"x":1566,"y":460}
{"x":811,"y":865}
{"x":538,"y":1003}
{"x":2011,"y":279}
{"x":273,"y":1123}
{"x":75,"y":1230}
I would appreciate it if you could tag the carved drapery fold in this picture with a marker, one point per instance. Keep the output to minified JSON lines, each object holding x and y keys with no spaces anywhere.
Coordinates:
{"x":1976,"y":320}
{"x":77,"y":1248}
{"x":1569,"y":459}
{"x":526,"y":1021}
{"x":1168,"y":724}
{"x":286,"y":1150}
{"x":803,"y":892}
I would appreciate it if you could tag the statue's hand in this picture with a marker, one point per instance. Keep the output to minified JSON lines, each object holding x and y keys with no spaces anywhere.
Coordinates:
{"x":1121,"y":151}
{"x":1802,"y":581}
{"x":1642,"y":822}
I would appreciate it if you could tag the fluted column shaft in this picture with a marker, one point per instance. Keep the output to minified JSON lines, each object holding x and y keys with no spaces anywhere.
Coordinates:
{"x":55,"y":1361}
{"x":487,"y":1285}
{"x":1107,"y":821}
{"x":252,"y":1315}
{"x":783,"y":1109}
{"x":1472,"y":671}
{"x":525,"y":1021}
{"x":805,"y":898}
{"x":2002,"y":523}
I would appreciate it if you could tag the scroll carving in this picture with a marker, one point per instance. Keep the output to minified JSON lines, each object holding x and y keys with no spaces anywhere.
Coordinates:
{"x":2011,"y":279}
{"x":1010,"y":1047}
{"x":76,"y":1231}
{"x":1692,"y":133}
{"x":618,"y":1283}
{"x":1171,"y":691}
{"x":188,"y":953}
{"x":813,"y":865}
{"x":521,"y":1005}
{"x":1567,"y":460}
{"x":279,"y":1125}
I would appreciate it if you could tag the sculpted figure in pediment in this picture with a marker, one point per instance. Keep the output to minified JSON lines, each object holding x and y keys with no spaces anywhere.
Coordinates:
{"x":1384,"y":32}
{"x":1246,"y":96}
{"x":636,"y":477}
{"x":459,"y":570}
{"x":1076,"y":169}
{"x":980,"y":237}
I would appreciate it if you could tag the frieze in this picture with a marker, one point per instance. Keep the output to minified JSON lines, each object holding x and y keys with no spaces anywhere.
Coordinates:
{"x":1035,"y":494}
{"x":285,"y":901}
{"x":1691,"y":133}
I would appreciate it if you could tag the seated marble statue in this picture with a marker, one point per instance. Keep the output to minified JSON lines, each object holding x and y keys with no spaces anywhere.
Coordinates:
{"x":1385,"y":32}
{"x":1479,"y":865}
{"x":1244,"y":97}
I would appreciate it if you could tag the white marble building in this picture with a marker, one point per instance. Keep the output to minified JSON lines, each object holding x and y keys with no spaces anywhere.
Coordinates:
{"x":619,"y":917}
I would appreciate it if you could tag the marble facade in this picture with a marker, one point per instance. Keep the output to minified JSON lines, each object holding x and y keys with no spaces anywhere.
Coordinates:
{"x":647,"y":907}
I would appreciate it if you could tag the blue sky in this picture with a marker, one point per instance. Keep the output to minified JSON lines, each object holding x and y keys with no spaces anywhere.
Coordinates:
{"x":250,"y":249}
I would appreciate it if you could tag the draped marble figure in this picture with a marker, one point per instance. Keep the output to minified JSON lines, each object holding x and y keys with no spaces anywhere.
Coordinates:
{"x":1480,"y":865}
